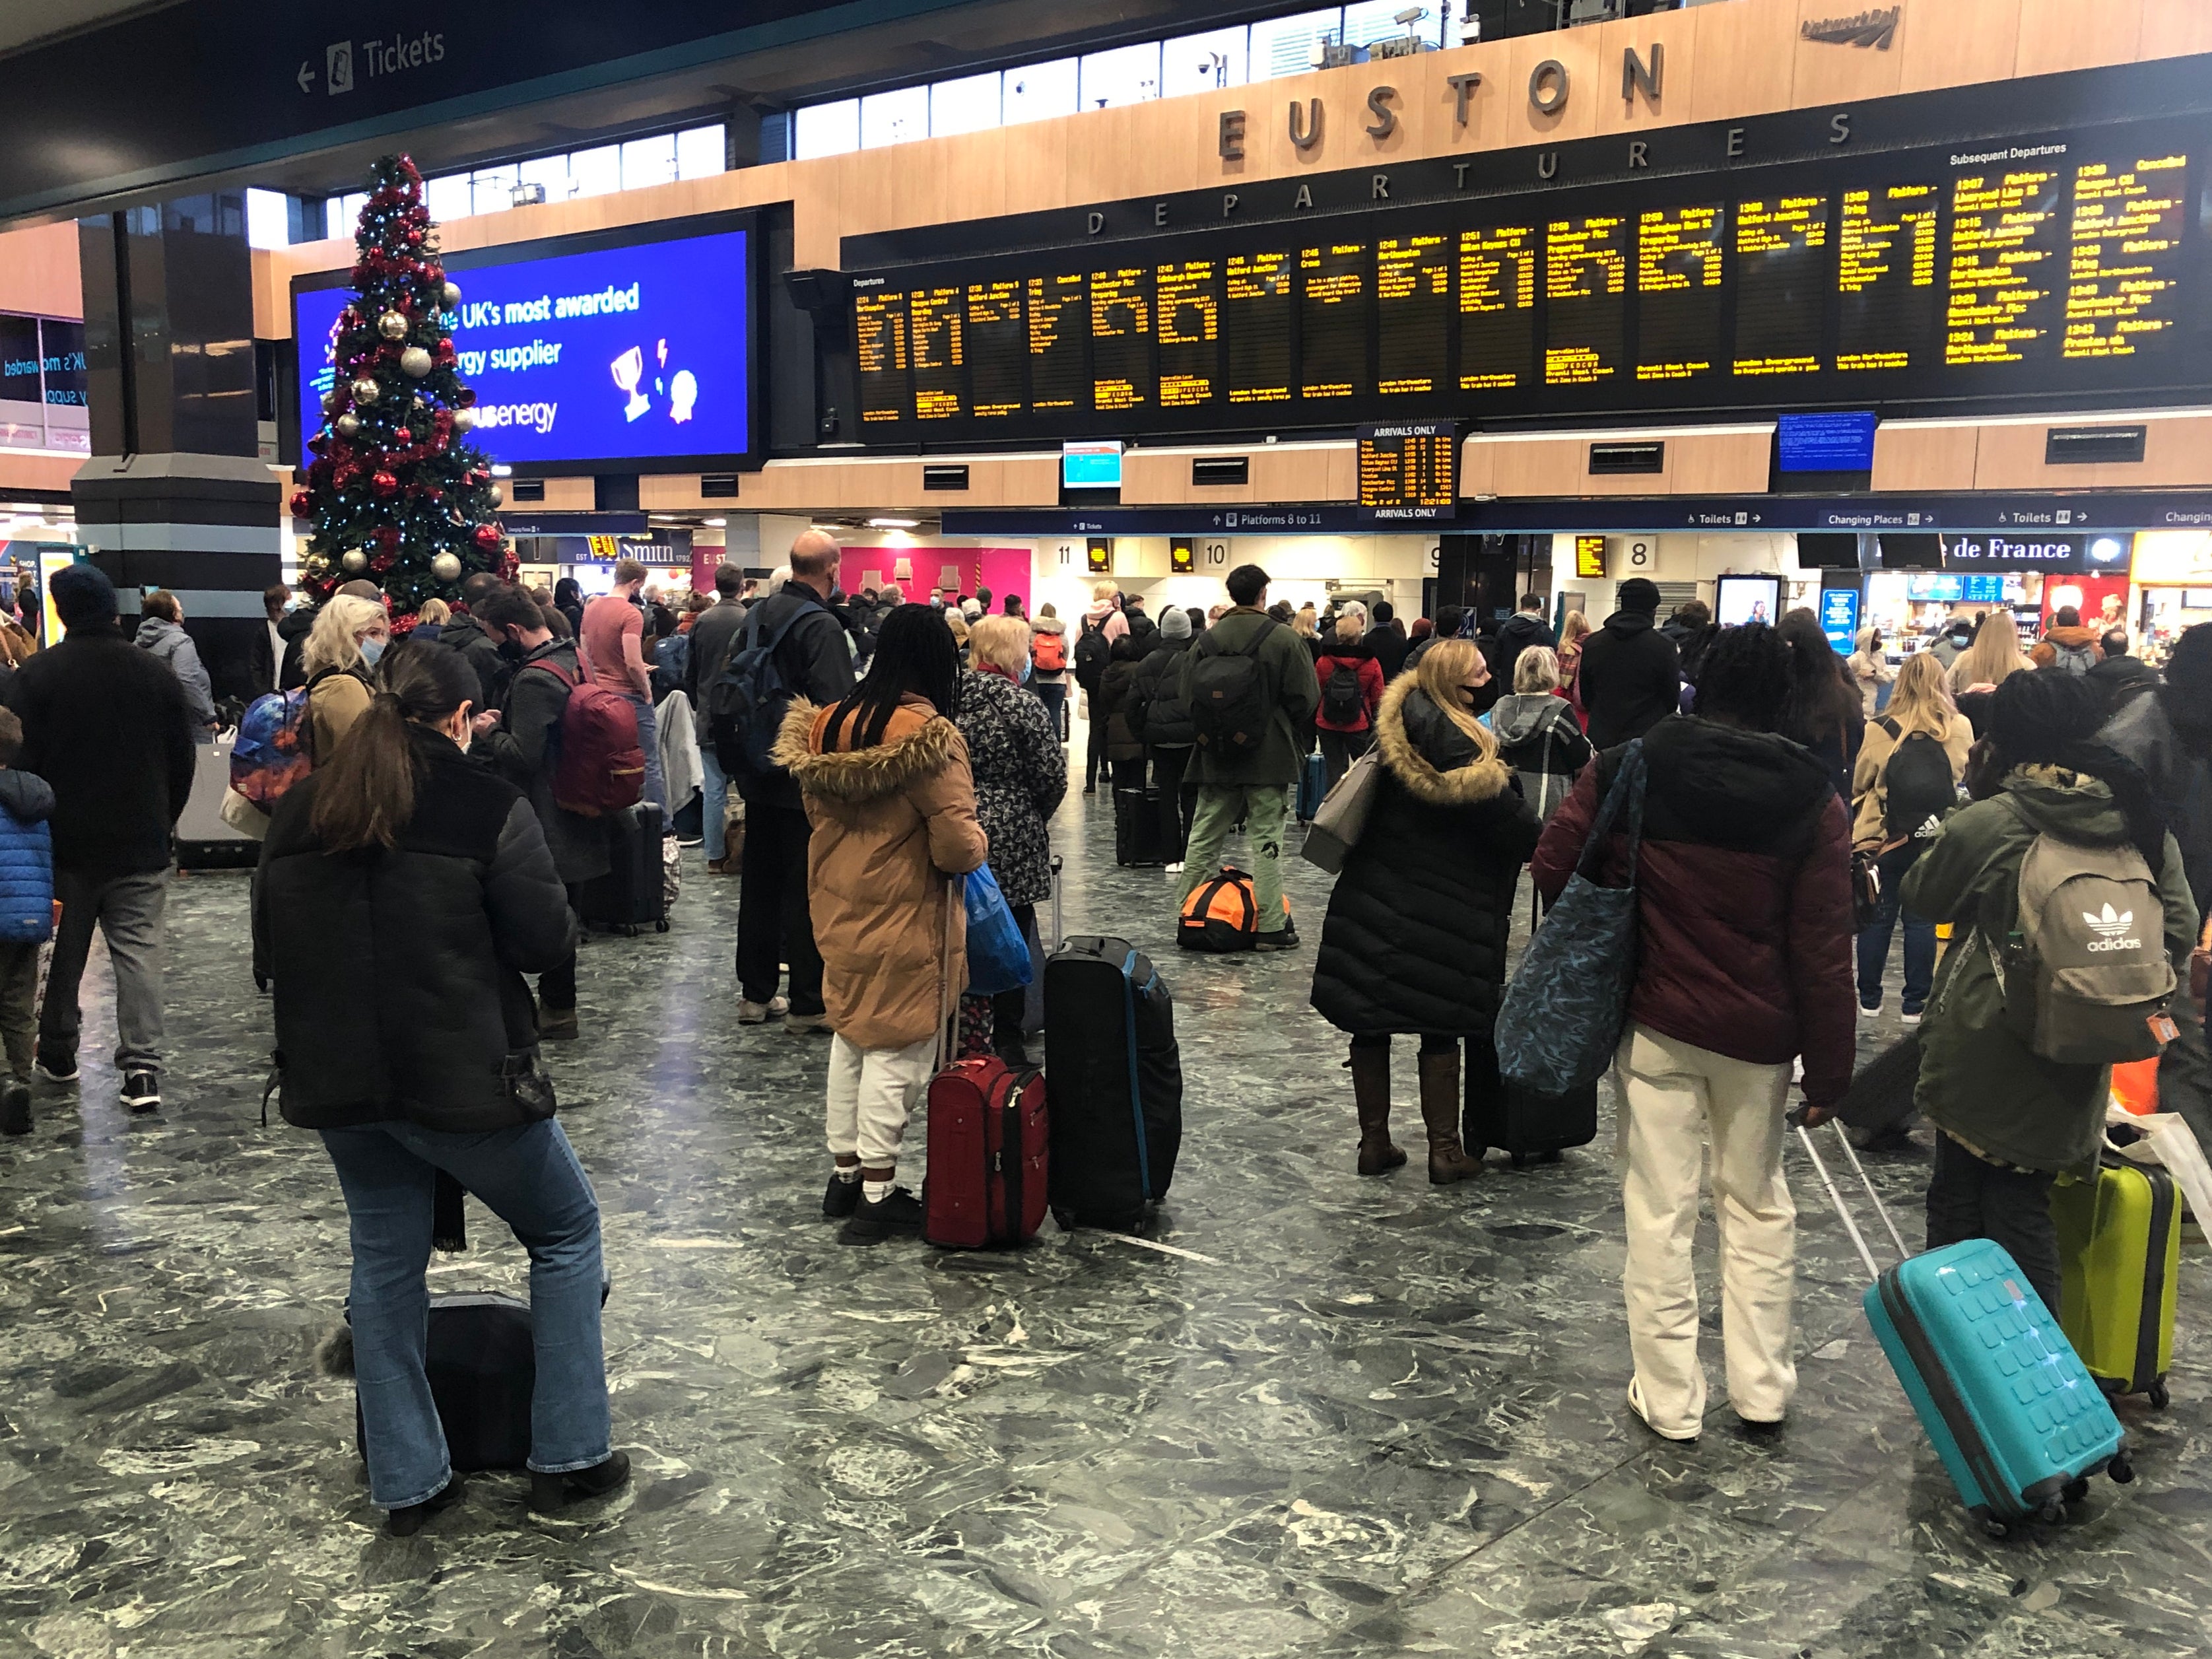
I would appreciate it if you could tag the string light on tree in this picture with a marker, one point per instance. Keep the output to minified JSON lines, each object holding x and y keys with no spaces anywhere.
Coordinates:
{"x":395,"y":492}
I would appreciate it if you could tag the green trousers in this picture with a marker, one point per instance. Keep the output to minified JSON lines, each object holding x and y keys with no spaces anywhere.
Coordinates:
{"x":1260,"y":806}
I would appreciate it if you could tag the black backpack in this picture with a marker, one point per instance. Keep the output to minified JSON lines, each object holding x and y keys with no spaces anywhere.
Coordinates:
{"x":1092,"y":651}
{"x":1918,"y":784}
{"x":1341,"y":704}
{"x":1231,"y":703}
{"x":746,"y":703}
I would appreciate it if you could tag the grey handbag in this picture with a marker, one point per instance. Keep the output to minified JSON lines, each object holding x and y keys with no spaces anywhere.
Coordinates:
{"x":1341,"y":820}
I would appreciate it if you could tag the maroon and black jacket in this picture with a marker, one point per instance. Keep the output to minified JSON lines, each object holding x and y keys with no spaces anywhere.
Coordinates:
{"x":1745,"y":918}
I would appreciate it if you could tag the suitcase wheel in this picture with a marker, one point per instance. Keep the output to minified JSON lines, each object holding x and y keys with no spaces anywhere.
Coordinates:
{"x":660,"y":926}
{"x":2121,"y":1468}
{"x":1991,"y":1525}
{"x":1065,"y":1220}
{"x":2160,"y":1399}
{"x":2075,"y":1492}
{"x":2053,"y":1512}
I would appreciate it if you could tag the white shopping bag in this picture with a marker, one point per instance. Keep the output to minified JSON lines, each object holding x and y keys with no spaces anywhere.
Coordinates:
{"x":2167,"y":1140}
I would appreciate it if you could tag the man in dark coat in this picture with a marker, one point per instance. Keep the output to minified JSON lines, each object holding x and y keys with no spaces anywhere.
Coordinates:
{"x":465,"y":634}
{"x":2168,"y":733}
{"x":1524,"y":628}
{"x":2121,"y":678}
{"x":774,"y":924}
{"x":522,"y":741}
{"x":104,"y":723}
{"x":1386,"y":641}
{"x":1630,"y":677}
{"x":712,"y":635}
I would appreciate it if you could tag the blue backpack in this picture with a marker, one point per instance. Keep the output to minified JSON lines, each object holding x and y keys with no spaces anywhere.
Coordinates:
{"x":746,"y":704}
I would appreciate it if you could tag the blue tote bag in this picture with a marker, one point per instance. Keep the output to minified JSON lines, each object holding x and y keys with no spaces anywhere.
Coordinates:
{"x":1560,"y":1018}
{"x":998,"y":955}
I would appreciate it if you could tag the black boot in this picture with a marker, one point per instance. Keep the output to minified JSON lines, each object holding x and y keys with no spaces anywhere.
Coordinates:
{"x":14,"y":1106}
{"x":406,"y":1522}
{"x":549,"y":1493}
{"x":1370,"y":1096}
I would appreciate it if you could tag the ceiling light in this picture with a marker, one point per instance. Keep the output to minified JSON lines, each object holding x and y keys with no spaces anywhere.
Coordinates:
{"x":715,"y":524}
{"x":893,"y":523}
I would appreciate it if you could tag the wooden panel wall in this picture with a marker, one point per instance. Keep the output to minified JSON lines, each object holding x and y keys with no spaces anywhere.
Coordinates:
{"x":1930,"y":455}
{"x":1729,"y":461}
{"x":891,"y":484}
{"x":39,"y":272}
{"x":1745,"y":57}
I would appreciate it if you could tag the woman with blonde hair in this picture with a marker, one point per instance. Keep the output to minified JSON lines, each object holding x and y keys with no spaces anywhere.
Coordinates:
{"x":1574,"y":630}
{"x":431,"y":619}
{"x":1537,"y":733}
{"x":1895,"y":825}
{"x":347,"y":639}
{"x":1414,"y":942}
{"x":1993,"y":657}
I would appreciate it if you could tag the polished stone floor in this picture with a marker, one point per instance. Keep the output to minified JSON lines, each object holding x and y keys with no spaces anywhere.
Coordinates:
{"x":1333,"y":1416}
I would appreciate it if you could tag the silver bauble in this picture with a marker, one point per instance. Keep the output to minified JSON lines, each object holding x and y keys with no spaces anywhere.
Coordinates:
{"x":333,"y":400}
{"x":364,"y":390}
{"x":451,"y":293}
{"x":498,"y":496}
{"x":445,"y":568}
{"x":392,"y":326}
{"x":464,"y":419}
{"x":348,"y":425}
{"x":353,"y":561}
{"x":415,"y":363}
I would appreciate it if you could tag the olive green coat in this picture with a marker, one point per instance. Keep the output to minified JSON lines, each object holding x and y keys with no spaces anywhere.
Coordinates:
{"x":1978,"y":1080}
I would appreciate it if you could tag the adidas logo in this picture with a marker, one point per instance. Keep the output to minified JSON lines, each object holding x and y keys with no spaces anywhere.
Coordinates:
{"x":2111,"y":927}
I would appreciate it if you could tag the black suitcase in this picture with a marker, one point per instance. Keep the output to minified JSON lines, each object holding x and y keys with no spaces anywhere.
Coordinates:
{"x":482,"y":1367}
{"x":1116,"y":1080}
{"x":1515,"y":1119}
{"x":631,"y":894}
{"x":1137,"y":827}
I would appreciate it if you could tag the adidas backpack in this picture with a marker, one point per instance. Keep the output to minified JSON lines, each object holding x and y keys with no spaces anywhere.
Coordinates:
{"x":1918,"y":785}
{"x":2086,"y":973}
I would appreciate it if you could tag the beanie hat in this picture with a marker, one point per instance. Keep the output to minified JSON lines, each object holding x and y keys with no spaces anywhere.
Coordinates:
{"x":1640,"y":593}
{"x":1175,"y":624}
{"x":970,"y":609}
{"x":2040,"y":715}
{"x":83,"y":596}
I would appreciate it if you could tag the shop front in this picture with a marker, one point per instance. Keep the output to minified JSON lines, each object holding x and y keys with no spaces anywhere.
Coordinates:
{"x":2172,"y":573}
{"x":1970,"y":576}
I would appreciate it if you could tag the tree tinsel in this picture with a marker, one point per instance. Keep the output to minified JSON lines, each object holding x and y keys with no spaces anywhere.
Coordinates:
{"x":397,"y":493}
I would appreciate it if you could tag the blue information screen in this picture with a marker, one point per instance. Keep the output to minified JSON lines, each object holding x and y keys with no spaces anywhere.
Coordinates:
{"x":1827,"y":443}
{"x":1839,"y":617}
{"x":638,"y":353}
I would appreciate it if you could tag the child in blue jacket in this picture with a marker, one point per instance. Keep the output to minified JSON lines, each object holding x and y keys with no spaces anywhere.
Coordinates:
{"x":27,"y":917}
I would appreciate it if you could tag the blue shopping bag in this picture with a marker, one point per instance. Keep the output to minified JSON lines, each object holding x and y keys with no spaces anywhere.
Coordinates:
{"x":998,"y":955}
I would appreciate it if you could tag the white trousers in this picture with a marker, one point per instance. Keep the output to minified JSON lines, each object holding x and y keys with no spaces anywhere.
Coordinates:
{"x":872,"y":1094}
{"x":1676,"y":1100}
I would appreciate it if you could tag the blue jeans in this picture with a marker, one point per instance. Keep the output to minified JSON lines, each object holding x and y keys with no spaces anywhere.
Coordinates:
{"x":529,"y":1178}
{"x":714,"y":802}
{"x":1053,"y":694}
{"x":1919,"y":938}
{"x":648,"y":739}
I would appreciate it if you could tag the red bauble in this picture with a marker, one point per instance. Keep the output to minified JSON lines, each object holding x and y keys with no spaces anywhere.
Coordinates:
{"x":385,"y":485}
{"x":445,"y":354}
{"x":487,"y":537}
{"x":466,"y":399}
{"x":407,"y":169}
{"x":299,"y":504}
{"x":382,"y":562}
{"x":388,"y":536}
{"x":508,"y":565}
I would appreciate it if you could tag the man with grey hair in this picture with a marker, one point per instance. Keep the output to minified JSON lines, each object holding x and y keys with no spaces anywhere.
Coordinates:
{"x":799,"y":646}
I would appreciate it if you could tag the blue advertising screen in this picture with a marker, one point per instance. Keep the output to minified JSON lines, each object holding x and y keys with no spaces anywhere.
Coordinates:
{"x":1825,"y":443}
{"x":1839,"y":617}
{"x":641,"y":354}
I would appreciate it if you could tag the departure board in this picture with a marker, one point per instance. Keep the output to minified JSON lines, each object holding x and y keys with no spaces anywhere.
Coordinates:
{"x":1585,"y":282}
{"x":1413,"y":313}
{"x":1333,"y":282}
{"x":1497,"y":307}
{"x":1409,"y":471}
{"x":1678,"y":280}
{"x":2055,"y":265}
{"x":1780,"y":258}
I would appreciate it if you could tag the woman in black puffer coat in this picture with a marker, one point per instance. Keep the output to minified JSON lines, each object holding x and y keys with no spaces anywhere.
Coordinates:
{"x":404,"y":890}
{"x":1415,"y":939}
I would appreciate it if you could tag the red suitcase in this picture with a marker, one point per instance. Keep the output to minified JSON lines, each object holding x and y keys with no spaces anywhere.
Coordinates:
{"x":987,"y":1141}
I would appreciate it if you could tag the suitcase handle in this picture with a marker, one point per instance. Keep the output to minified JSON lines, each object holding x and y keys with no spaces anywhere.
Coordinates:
{"x":1836,"y":1199}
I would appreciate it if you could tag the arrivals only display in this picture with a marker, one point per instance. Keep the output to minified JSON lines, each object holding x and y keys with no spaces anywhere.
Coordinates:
{"x":640,"y":351}
{"x":2067,"y":264}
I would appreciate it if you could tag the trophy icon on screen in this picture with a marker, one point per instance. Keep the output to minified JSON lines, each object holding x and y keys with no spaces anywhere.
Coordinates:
{"x":627,"y":370}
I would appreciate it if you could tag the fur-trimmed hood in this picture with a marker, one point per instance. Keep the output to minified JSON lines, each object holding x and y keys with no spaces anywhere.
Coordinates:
{"x":917,"y":742}
{"x":1429,"y":755}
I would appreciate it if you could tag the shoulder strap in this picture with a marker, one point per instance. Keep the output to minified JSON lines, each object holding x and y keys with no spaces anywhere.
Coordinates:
{"x":557,"y":672}
{"x":1890,"y":726}
{"x":1626,"y":791}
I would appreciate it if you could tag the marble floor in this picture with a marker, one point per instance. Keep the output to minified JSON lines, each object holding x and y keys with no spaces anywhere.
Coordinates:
{"x":1337,"y":1417}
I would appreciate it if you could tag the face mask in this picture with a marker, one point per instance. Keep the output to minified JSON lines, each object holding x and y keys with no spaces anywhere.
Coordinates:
{"x":371,"y":649}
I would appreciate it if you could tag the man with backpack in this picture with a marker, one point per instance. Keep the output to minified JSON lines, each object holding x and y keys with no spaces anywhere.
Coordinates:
{"x":713,"y":634}
{"x":1248,"y":684}
{"x":2070,"y":915}
{"x":1102,"y":624}
{"x":524,"y":741}
{"x":2066,"y":644}
{"x":465,"y":633}
{"x":790,"y":646}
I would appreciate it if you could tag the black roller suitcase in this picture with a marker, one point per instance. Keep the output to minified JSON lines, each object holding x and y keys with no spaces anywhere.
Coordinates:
{"x":482,"y":1362}
{"x":1116,"y":1080}
{"x":631,"y":895}
{"x":1515,"y":1119}
{"x":1137,"y":827}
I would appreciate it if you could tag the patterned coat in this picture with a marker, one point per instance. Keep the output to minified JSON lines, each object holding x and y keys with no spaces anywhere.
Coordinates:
{"x":1021,"y":773}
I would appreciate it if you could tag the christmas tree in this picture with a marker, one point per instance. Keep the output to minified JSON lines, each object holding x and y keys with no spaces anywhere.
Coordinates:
{"x":397,"y":493}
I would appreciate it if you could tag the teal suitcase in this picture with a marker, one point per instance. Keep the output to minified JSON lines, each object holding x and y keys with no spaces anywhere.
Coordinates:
{"x":2020,"y":1424}
{"x":2016,"y":1418}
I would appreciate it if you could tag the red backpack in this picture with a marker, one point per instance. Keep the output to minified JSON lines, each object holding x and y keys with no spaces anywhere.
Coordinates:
{"x":601,"y":769}
{"x":1049,"y":652}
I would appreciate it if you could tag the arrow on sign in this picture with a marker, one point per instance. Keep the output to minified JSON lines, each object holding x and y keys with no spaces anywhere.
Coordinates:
{"x":307,"y":76}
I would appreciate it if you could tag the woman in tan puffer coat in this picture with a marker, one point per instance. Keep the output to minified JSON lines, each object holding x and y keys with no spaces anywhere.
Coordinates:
{"x":887,"y":788}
